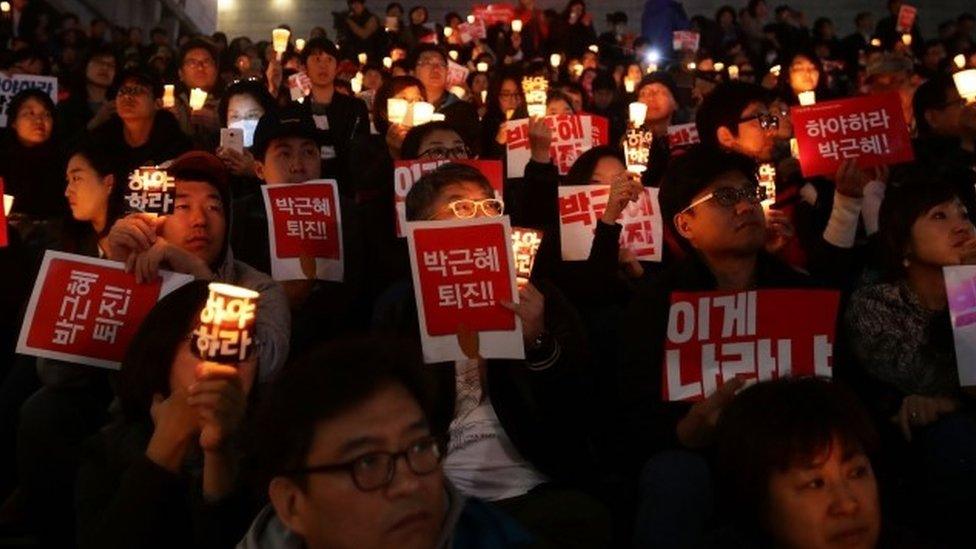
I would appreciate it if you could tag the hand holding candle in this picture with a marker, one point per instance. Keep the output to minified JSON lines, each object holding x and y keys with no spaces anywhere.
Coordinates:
{"x":966,"y":84}
{"x":169,"y":96}
{"x":227,"y":322}
{"x":422,"y":113}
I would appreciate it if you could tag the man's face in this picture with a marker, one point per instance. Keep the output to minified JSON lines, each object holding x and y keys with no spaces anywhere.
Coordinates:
{"x":135,"y":101}
{"x":100,"y":70}
{"x":441,"y":209}
{"x":199,"y":70}
{"x":321,"y":69}
{"x":832,"y":502}
{"x":332,"y":512}
{"x":432,"y":71}
{"x":715,"y":229}
{"x":660,"y":103}
{"x":752,"y":140}
{"x":198,"y":223}
{"x":290,"y":160}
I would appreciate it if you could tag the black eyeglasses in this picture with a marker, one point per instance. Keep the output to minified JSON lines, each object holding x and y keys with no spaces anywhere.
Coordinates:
{"x":767,"y":121}
{"x":446,"y":153}
{"x":730,"y":196}
{"x":375,"y":470}
{"x":133,"y":91}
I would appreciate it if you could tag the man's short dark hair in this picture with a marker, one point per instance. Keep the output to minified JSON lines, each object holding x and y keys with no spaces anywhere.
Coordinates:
{"x":422,"y":49}
{"x":690,"y":173}
{"x":724,"y":106}
{"x":319,"y":45}
{"x":197,"y":43}
{"x":323,"y":384}
{"x":931,"y":95}
{"x":775,"y":425}
{"x":410,"y":148}
{"x":425,"y":191}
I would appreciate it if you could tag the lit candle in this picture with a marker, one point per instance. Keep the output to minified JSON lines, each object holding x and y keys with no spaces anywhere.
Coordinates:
{"x":8,"y":203}
{"x":438,"y":117}
{"x":807,"y":98}
{"x":775,"y":70}
{"x":362,"y":58}
{"x":692,"y":66}
{"x":733,"y":72}
{"x":448,"y":31}
{"x":226,"y":328}
{"x":960,"y":61}
{"x":458,"y":91}
{"x":388,"y":62}
{"x":536,"y":110}
{"x":516,"y":25}
{"x":396,"y":110}
{"x":638,"y":112}
{"x":279,"y":39}
{"x":876,"y":42}
{"x":629,"y":85}
{"x":357,"y":83}
{"x":300,"y":44}
{"x":169,"y":96}
{"x":197,"y":98}
{"x":555,"y":59}
{"x":471,"y":20}
{"x":767,"y":180}
{"x":525,"y":246}
{"x":966,"y":84}
{"x":652,"y":67}
{"x":594,"y":48}
{"x":906,"y":39}
{"x":482,"y":67}
{"x":423,"y":113}
{"x":5,"y":8}
{"x":719,"y":67}
{"x":453,"y":54}
{"x":484,"y":96}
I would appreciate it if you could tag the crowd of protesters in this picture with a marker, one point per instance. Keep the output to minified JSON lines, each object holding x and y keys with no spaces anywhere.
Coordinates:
{"x":301,"y":445}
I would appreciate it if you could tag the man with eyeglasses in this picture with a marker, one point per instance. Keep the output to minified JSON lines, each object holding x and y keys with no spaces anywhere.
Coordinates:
{"x":429,"y":64}
{"x":711,"y":201}
{"x":518,"y":429}
{"x":198,"y":68}
{"x":353,"y":461}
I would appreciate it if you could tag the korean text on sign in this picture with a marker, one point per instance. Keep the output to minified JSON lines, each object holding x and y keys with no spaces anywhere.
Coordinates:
{"x":580,"y":209}
{"x":86,"y":310}
{"x":870,"y":129}
{"x":960,"y":283}
{"x":151,"y":190}
{"x":304,"y":228}
{"x":714,"y":337}
{"x":224,"y":333}
{"x":572,"y":135}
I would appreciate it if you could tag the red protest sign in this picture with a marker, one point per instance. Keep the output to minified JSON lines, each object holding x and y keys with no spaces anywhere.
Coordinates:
{"x":572,"y":135}
{"x":472,"y":31}
{"x":580,"y":208}
{"x":494,"y":13}
{"x":714,"y":337}
{"x":305,"y":230}
{"x":464,"y":272}
{"x":3,"y":216}
{"x":685,"y":40}
{"x":906,"y":18}
{"x":683,"y":135}
{"x":407,"y":172}
{"x":870,"y":129}
{"x":87,"y":310}
{"x":457,"y":75}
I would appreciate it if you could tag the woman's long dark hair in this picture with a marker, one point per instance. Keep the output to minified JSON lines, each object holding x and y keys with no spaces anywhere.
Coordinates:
{"x":104,"y":163}
{"x":582,"y":170}
{"x":389,"y":89}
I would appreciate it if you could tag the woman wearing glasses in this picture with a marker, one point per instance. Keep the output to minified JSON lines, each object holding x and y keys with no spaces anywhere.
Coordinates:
{"x":505,"y":101}
{"x":165,"y":472}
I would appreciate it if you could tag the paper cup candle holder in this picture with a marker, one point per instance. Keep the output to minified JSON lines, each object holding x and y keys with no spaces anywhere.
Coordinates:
{"x":225,"y":333}
{"x":535,"y":89}
{"x":151,"y":190}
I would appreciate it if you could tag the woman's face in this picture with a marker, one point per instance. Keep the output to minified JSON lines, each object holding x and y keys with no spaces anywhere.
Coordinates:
{"x":418,"y":16}
{"x":33,"y":123}
{"x":100,"y":70}
{"x":87,"y":191}
{"x":479,"y":83}
{"x":831,"y":502}
{"x":556,"y":107}
{"x":411,"y":94}
{"x":243,"y":106}
{"x":803,"y":75}
{"x":660,"y":104}
{"x":938,"y":235}
{"x":442,"y":145}
{"x":634,"y":72}
{"x":509,"y":98}
{"x":607,"y":170}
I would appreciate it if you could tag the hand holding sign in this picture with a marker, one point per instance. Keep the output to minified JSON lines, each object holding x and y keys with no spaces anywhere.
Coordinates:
{"x":624,"y":189}
{"x":697,"y":428}
{"x":540,"y":139}
{"x":850,"y":180}
{"x":532,"y":310}
{"x":919,"y":411}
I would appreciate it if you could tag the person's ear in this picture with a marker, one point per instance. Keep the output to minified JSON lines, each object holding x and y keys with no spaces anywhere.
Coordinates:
{"x":287,"y":500}
{"x":724,"y":137}
{"x":683,"y":226}
{"x":109,"y":183}
{"x":259,"y":169}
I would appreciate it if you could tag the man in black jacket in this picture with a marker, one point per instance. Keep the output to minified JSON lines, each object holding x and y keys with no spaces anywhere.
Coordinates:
{"x":342,"y":121}
{"x":518,"y":428}
{"x":709,"y":198}
{"x":429,"y":64}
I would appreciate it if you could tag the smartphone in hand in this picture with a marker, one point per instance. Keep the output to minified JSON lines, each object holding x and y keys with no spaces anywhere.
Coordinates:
{"x":232,"y":138}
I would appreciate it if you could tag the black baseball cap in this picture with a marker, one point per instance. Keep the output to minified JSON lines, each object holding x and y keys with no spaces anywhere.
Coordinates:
{"x":290,"y":121}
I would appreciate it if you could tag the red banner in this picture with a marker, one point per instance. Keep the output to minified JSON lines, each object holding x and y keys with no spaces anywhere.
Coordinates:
{"x":714,"y":337}
{"x":494,"y":13}
{"x":464,"y":272}
{"x":685,"y":41}
{"x":870,"y":129}
{"x":407,"y":172}
{"x":906,"y":18}
{"x":87,"y":310}
{"x":304,"y":223}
